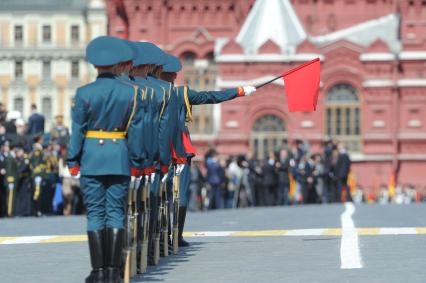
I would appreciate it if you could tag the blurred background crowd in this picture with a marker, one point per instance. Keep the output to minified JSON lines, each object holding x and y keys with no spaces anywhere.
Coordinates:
{"x":35,"y":181}
{"x":292,"y":175}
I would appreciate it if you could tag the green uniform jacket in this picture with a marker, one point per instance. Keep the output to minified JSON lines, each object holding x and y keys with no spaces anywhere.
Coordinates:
{"x":106,"y":105}
{"x":164,"y":96}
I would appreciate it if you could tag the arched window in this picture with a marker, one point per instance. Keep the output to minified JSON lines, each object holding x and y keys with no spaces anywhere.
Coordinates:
{"x":268,"y":134}
{"x":188,"y":57}
{"x":343,"y":115}
{"x":268,"y":123}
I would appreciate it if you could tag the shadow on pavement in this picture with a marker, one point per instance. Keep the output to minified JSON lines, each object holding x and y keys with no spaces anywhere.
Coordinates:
{"x":167,"y":264}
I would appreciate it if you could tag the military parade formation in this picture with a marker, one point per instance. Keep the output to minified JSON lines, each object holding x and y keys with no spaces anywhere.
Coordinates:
{"x":131,"y":147}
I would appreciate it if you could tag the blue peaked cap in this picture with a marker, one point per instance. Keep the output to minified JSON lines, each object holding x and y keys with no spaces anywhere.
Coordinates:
{"x":172,"y":64}
{"x":137,"y":56}
{"x":107,"y":51}
{"x":151,"y":54}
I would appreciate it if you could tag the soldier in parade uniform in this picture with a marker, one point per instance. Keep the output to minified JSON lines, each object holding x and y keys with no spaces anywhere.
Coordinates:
{"x":24,"y":184}
{"x":105,"y":148}
{"x":165,"y":96}
{"x":184,"y":150}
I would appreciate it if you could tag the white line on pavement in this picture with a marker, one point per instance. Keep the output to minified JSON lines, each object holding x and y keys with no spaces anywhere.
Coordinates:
{"x":398,"y":231}
{"x":27,"y":240}
{"x":350,"y":256}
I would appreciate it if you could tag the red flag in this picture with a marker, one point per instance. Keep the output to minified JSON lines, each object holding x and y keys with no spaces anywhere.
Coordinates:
{"x":302,"y":86}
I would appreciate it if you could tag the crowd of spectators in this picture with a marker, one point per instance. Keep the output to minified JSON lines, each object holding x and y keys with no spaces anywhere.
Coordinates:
{"x":288,"y":176}
{"x":34,"y":179}
{"x":291,"y":175}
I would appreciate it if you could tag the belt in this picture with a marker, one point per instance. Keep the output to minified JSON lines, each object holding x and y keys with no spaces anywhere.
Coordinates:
{"x":105,"y":135}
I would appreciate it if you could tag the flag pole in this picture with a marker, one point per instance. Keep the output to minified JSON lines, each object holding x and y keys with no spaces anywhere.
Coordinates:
{"x":288,"y":72}
{"x":268,"y":82}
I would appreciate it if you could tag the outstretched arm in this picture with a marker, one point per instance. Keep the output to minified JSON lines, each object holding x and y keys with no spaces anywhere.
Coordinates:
{"x":214,"y":97}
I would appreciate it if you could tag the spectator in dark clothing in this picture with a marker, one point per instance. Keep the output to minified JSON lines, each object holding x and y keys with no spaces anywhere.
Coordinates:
{"x":343,"y":168}
{"x":305,"y":177}
{"x":330,"y":161}
{"x":270,"y":180}
{"x":3,"y":190}
{"x":10,"y":126}
{"x":24,"y":197}
{"x":35,"y":122}
{"x":20,"y":139}
{"x":256,"y":181}
{"x":3,"y":138}
{"x":215,"y":177}
{"x":283,"y":166}
{"x":197,"y":179}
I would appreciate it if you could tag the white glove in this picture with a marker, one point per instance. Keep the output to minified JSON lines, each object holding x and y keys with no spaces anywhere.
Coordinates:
{"x":152,"y":177}
{"x":179,"y":169}
{"x":164,"y":178}
{"x":249,"y":90}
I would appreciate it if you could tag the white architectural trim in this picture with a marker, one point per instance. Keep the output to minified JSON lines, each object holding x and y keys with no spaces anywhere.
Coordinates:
{"x":378,"y":83}
{"x":389,"y":83}
{"x":343,"y":33}
{"x":239,"y":58}
{"x":273,"y":20}
{"x":412,"y":55}
{"x":369,"y":57}
{"x":413,"y":157}
{"x":412,"y":82}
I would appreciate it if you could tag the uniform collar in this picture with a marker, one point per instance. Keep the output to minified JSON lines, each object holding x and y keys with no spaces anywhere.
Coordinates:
{"x":106,"y":75}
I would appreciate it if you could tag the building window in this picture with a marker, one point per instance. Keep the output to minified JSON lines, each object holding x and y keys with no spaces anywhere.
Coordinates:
{"x":75,"y":33}
{"x":200,"y":74}
{"x":46,"y":69}
{"x":75,"y":71}
{"x":268,"y":135}
{"x":18,"y":104}
{"x":47,"y":34}
{"x":19,"y":34}
{"x":19,"y":69}
{"x":46,"y":108}
{"x":343,"y":115}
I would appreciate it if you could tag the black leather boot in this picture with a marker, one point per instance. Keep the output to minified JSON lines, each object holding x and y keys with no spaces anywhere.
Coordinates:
{"x":114,"y":252}
{"x":96,"y":248}
{"x":181,"y":222}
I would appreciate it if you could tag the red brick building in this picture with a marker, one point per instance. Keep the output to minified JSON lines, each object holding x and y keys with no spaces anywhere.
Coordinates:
{"x":373,"y":85}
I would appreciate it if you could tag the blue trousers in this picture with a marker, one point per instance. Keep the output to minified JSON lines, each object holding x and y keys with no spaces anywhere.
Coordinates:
{"x":105,"y":199}
{"x":184,"y":182}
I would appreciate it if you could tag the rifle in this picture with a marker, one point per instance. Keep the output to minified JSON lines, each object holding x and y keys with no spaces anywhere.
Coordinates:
{"x":130,"y":248}
{"x":175,"y":212}
{"x":165,"y":220}
{"x":145,"y":214}
{"x":158,"y":227}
